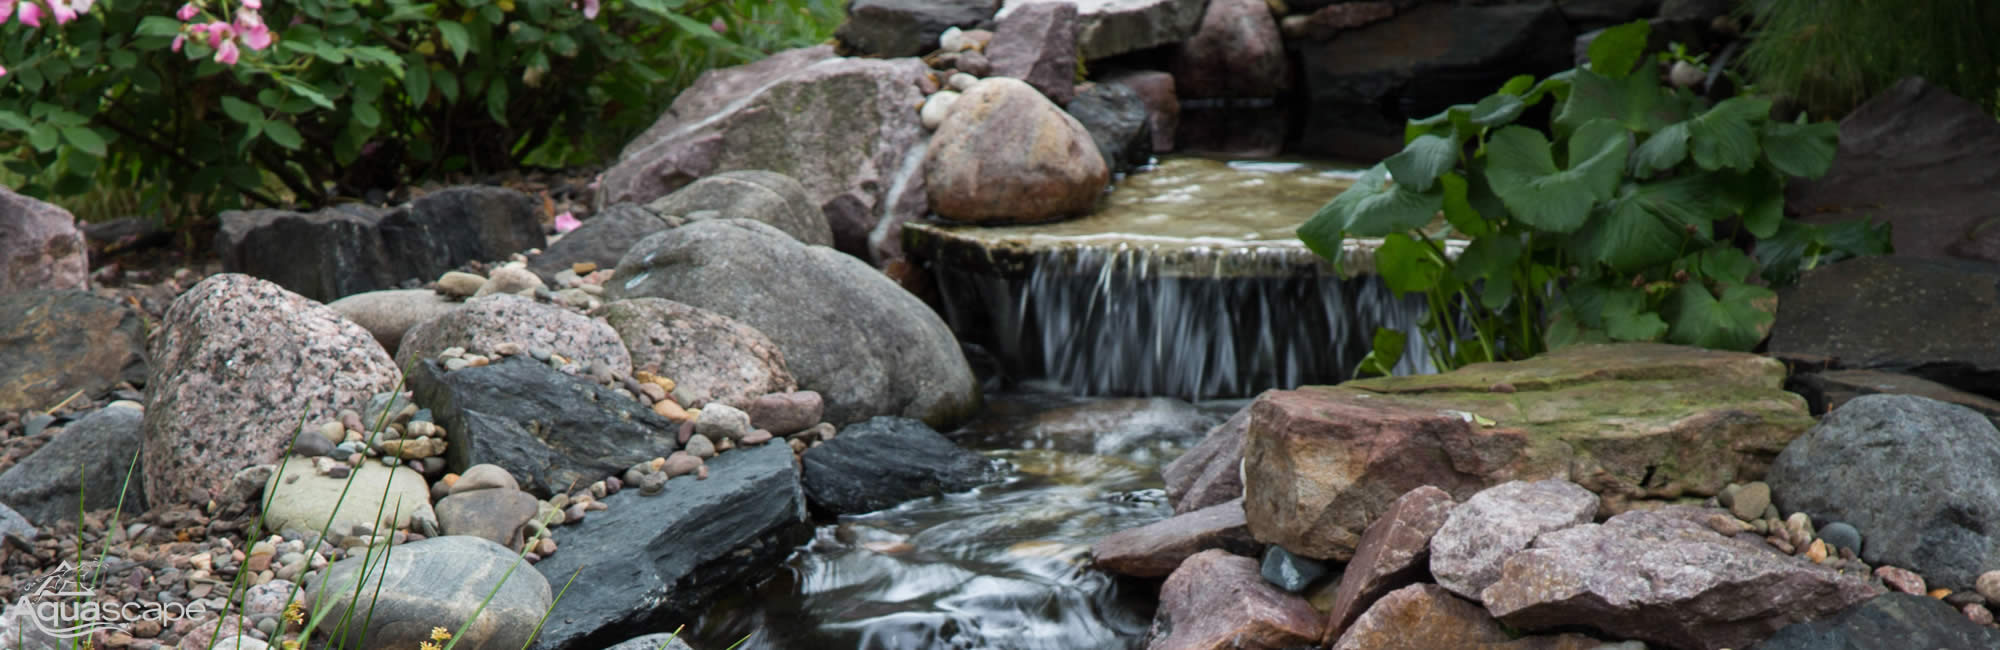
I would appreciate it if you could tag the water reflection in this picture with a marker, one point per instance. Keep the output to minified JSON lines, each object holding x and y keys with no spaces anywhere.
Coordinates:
{"x":1004,"y":566}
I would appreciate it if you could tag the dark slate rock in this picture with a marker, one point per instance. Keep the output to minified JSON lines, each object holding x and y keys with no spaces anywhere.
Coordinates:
{"x":893,"y":28}
{"x":1922,"y":159}
{"x":1841,"y":534}
{"x":435,"y":582}
{"x":885,"y":461}
{"x":655,"y":641}
{"x":351,"y":249}
{"x":1920,"y":476}
{"x":865,"y":344}
{"x":757,"y":195}
{"x":53,"y":343}
{"x":1116,"y":117}
{"x":649,"y":562}
{"x":1826,"y":391}
{"x":1290,"y":572}
{"x":602,"y":240}
{"x":549,"y":429}
{"x":90,"y":456}
{"x":1364,"y":84}
{"x":1887,"y":621}
{"x":1900,"y":314}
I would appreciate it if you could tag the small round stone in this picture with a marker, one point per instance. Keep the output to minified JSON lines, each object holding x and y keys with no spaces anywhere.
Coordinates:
{"x":653,"y":483}
{"x":700,"y":447}
{"x":1988,"y":585}
{"x":1840,"y":534}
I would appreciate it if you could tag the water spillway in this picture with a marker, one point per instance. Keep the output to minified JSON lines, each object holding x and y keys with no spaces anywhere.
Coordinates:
{"x":1187,"y":282}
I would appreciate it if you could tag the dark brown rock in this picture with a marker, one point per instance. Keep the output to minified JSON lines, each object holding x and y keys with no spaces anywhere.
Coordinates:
{"x":1217,"y":600}
{"x":40,"y":247}
{"x":1699,"y":589}
{"x":710,"y":357}
{"x":1334,"y":19}
{"x":1036,"y":43}
{"x":498,"y":515}
{"x":1007,"y":155}
{"x":786,"y":413}
{"x":1428,"y":617}
{"x":1113,"y":27}
{"x":1237,"y":52}
{"x":1211,"y":472}
{"x":1322,"y":462}
{"x":1896,"y":313}
{"x":1393,"y":553}
{"x":1826,"y":391}
{"x":1922,"y":159}
{"x":53,"y":343}
{"x":235,"y":362}
{"x":1156,"y":549}
{"x":893,"y":28}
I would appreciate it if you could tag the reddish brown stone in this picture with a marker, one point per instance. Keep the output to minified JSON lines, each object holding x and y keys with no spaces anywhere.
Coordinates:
{"x":1006,"y":155}
{"x":1156,"y":549}
{"x":1036,"y":43}
{"x":1211,"y":472}
{"x":1217,"y":600}
{"x":1334,"y":19}
{"x":1393,"y":553}
{"x":1427,"y":617}
{"x":1236,"y":53}
{"x":1163,"y":104}
{"x":40,"y":247}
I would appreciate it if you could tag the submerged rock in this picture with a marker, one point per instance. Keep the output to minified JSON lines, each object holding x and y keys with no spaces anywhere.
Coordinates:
{"x":885,"y":461}
{"x":1155,"y":550}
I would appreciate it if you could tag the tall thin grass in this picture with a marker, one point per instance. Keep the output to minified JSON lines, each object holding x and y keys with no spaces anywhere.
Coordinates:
{"x":1832,"y":55}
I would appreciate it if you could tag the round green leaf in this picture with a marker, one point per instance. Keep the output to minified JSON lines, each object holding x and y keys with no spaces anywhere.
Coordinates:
{"x":241,"y":111}
{"x":283,"y":134}
{"x":85,"y":139}
{"x":1617,"y":49}
{"x":1804,"y":150}
{"x":1725,"y":137}
{"x":1418,"y":165}
{"x":1407,"y":265}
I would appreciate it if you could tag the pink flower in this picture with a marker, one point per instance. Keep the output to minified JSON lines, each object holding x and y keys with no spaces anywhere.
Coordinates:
{"x":590,"y":9}
{"x":31,"y":14}
{"x":82,"y":6}
{"x":719,"y":26}
{"x":62,"y":10}
{"x":179,"y":40}
{"x":3,"y":71}
{"x":253,"y":4}
{"x":6,"y":9}
{"x":226,"y":54}
{"x":197,"y":29}
{"x":188,"y":12}
{"x":251,"y":26}
{"x":218,"y":32}
{"x":566,"y":222}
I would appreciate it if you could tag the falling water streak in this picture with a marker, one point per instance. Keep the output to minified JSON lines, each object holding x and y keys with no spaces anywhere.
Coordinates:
{"x":1192,"y":322}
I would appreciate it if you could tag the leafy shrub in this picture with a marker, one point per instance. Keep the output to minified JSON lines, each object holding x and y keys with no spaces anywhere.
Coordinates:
{"x":1834,"y":54}
{"x":351,"y":95}
{"x":1619,"y":227}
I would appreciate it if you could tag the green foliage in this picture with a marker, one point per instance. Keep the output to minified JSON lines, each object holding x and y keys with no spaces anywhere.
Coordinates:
{"x":356,"y":95}
{"x":1834,"y":54}
{"x":1619,"y":226}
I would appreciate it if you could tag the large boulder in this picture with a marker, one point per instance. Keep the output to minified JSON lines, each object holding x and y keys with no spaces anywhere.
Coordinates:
{"x":1237,"y":53}
{"x":1117,"y":120}
{"x":1429,"y":617}
{"x":649,"y":561}
{"x":53,"y":343}
{"x":1699,"y":589}
{"x":390,"y":313}
{"x":864,"y":166}
{"x":1113,"y":27}
{"x":752,"y":194}
{"x":1365,"y":83}
{"x":1036,"y":43}
{"x":1219,"y":600}
{"x":482,"y":324}
{"x":87,"y":460}
{"x":1156,"y":549}
{"x":1212,"y":471}
{"x":710,"y":357}
{"x":1888,"y":621}
{"x":1897,"y":313}
{"x":550,"y":429}
{"x":892,"y":28}
{"x":1322,"y":462}
{"x":1921,"y":478}
{"x":885,"y":461}
{"x":236,"y":362}
{"x":1005,"y":154}
{"x":433,"y":583}
{"x":40,"y":247}
{"x":601,"y":240}
{"x":1395,"y":552}
{"x":866,"y":345}
{"x":345,"y":250}
{"x":1467,"y":552}
{"x":1921,"y":159}
{"x":1163,"y":105}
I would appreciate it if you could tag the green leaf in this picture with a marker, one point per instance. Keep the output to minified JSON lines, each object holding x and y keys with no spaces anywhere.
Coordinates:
{"x":1522,"y":168}
{"x":1407,"y":265}
{"x":1648,"y":223}
{"x":447,"y":84}
{"x":1372,"y":207}
{"x":283,"y":134}
{"x":241,"y":111}
{"x":1661,"y":152}
{"x":85,"y":139}
{"x":1488,"y":257}
{"x":1725,"y":137}
{"x":1733,"y":322}
{"x":1636,"y":102}
{"x":1725,"y":264}
{"x":417,"y":82}
{"x":123,"y":59}
{"x":1627,"y":318}
{"x":12,"y":121}
{"x":330,"y":54}
{"x":1419,"y":164}
{"x":309,"y":92}
{"x":45,"y":137}
{"x":456,"y":38}
{"x":1497,"y":110}
{"x":1518,"y":85}
{"x":158,"y":26}
{"x":1617,"y":49}
{"x":367,"y":114}
{"x":1458,"y":210}
{"x":496,"y":102}
{"x":1803,"y":150}
{"x":1384,"y":352}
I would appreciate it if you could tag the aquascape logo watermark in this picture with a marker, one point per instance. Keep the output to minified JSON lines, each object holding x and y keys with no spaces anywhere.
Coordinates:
{"x":61,"y":607}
